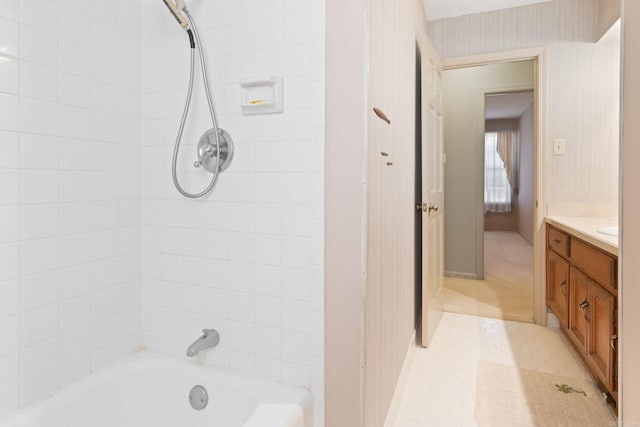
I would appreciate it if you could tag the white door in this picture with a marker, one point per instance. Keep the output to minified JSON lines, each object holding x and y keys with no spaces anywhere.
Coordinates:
{"x":432,"y":192}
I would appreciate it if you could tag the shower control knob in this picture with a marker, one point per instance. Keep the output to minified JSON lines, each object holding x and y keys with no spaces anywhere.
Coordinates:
{"x":207,"y":151}
{"x":212,"y":158}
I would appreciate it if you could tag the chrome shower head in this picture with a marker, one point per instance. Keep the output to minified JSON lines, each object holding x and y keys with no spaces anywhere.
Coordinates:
{"x":176,"y":7}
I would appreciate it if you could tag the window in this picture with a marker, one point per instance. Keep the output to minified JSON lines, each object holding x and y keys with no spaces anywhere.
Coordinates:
{"x":497,"y":190}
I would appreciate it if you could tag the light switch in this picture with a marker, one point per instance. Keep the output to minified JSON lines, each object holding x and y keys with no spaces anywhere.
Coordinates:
{"x":559,"y":146}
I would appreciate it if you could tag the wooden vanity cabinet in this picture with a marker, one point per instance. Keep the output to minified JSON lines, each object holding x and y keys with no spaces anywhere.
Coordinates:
{"x":558,"y":286}
{"x":601,"y":344}
{"x":578,"y":313}
{"x":582,"y":293}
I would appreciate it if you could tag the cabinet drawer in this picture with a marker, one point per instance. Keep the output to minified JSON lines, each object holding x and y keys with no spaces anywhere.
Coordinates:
{"x":599,"y":266}
{"x":559,"y":242}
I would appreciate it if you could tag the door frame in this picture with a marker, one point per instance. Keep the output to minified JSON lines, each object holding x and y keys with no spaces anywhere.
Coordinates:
{"x":539,"y":55}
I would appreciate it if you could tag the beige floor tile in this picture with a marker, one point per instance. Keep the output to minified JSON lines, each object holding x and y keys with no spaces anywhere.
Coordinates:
{"x":442,"y":388}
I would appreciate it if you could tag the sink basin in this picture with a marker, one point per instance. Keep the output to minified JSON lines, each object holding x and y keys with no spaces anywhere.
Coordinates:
{"x":609,"y":231}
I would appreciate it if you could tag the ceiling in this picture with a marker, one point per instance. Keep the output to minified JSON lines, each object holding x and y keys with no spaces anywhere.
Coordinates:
{"x":507,"y":105}
{"x":437,"y":9}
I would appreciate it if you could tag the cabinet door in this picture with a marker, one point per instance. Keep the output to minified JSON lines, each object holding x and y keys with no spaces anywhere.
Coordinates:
{"x":557,"y":286}
{"x":578,"y":308}
{"x":602,"y":307}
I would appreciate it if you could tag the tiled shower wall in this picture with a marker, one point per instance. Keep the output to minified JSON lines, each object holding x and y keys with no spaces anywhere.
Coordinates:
{"x":70,"y":192}
{"x":76,"y":186}
{"x":248,"y":259}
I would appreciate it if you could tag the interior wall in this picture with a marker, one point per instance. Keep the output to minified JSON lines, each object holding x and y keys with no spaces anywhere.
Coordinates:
{"x":608,"y":14}
{"x":526,"y":195}
{"x":582,"y":98}
{"x":394,"y":27}
{"x":497,"y":125}
{"x":345,"y":198}
{"x":630,"y":203}
{"x":248,"y":259}
{"x":502,"y":221}
{"x":464,"y":91}
{"x":70,"y":145}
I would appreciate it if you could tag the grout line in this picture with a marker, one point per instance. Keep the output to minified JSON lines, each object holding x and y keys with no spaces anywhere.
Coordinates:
{"x":59,"y":203}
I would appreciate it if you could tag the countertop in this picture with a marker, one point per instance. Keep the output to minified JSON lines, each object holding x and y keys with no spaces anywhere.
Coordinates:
{"x":586,"y":228}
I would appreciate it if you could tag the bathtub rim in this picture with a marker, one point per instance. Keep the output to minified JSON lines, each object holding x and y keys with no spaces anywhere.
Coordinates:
{"x":298,"y":395}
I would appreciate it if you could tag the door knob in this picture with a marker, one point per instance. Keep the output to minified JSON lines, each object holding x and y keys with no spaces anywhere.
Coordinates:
{"x":426,"y":207}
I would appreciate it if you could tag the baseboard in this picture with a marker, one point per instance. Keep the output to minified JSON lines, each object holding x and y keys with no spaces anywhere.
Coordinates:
{"x":396,"y":400}
{"x":470,"y":276}
{"x":552,"y":320}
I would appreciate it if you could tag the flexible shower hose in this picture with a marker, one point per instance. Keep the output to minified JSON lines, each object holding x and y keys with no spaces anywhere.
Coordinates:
{"x":197,"y":44}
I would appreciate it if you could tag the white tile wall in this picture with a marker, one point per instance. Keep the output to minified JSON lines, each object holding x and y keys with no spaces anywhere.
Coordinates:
{"x":83,"y":203}
{"x":70,"y":192}
{"x":248,"y":259}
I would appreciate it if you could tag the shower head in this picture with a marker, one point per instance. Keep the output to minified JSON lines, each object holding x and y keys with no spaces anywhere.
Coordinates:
{"x":176,"y":7}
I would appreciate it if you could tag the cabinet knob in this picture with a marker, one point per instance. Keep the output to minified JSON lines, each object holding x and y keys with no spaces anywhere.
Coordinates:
{"x":563,"y":287}
{"x":583,"y":308}
{"x":613,"y":343}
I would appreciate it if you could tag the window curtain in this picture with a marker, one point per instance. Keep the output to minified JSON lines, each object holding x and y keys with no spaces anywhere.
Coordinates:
{"x":500,"y":172}
{"x":506,"y":151}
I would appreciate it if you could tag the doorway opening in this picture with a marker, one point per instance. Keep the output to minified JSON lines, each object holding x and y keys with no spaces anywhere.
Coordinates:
{"x":490,"y":186}
{"x":509,"y":203}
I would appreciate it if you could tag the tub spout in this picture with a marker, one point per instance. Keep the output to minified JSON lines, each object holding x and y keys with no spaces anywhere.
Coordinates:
{"x":209,"y":339}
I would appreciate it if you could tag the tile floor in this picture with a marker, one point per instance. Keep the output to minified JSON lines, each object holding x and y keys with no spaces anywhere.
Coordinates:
{"x":442,"y":385}
{"x":507,"y":289}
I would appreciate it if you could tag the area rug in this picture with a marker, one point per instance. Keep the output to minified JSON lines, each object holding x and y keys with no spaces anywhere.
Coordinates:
{"x":510,"y":396}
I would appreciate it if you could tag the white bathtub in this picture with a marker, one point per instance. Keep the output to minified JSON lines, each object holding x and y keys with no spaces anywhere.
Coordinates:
{"x":148,"y":390}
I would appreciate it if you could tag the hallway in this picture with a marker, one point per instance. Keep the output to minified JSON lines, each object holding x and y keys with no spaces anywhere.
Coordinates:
{"x":507,"y":289}
{"x":495,"y":373}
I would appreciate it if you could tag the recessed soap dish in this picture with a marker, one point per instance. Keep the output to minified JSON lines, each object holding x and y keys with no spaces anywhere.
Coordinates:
{"x":262,"y":95}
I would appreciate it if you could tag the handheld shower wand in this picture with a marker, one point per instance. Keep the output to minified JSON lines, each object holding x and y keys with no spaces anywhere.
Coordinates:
{"x":176,"y":8}
{"x":215,"y":148}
